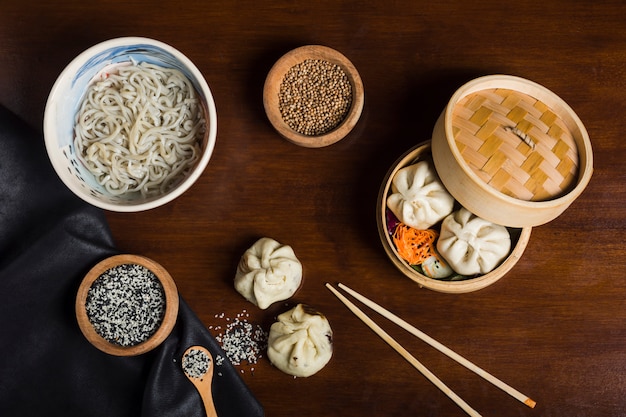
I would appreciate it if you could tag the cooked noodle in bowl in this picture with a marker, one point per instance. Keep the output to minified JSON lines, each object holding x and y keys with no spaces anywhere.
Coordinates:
{"x":130,"y":124}
{"x":138,"y":129}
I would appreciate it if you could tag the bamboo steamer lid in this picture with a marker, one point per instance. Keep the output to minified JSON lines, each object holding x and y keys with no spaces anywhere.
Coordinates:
{"x":511,"y":151}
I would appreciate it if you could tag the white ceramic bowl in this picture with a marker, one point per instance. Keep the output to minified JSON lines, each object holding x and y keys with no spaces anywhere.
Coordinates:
{"x":67,"y":94}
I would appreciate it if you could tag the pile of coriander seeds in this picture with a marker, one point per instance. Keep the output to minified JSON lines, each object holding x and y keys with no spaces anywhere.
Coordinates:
{"x":315,"y":96}
{"x":242,"y":341}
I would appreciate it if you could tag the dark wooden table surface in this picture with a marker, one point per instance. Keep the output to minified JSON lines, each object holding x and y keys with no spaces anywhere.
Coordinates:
{"x":554,"y":327}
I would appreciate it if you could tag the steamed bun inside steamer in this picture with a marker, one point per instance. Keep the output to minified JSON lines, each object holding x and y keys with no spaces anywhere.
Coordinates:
{"x":472,"y":245}
{"x":300,"y":343}
{"x":268,"y":272}
{"x":418,"y":198}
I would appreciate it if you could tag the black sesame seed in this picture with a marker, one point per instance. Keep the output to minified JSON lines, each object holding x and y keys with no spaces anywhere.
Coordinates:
{"x":241,"y":340}
{"x":126,"y":304}
{"x":196,"y":363}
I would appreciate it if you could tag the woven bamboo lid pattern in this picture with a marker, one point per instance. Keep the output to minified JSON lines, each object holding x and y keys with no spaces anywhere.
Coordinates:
{"x":516,"y":144}
{"x":511,"y":151}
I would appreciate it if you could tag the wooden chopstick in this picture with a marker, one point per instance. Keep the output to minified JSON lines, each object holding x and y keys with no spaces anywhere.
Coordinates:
{"x":443,"y":349}
{"x":404,"y":353}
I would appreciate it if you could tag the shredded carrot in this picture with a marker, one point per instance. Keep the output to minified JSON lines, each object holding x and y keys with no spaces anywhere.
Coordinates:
{"x":414,"y":245}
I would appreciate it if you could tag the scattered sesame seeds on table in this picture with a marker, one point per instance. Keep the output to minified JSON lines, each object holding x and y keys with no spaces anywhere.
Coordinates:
{"x":314,"y":97}
{"x":243,"y":342}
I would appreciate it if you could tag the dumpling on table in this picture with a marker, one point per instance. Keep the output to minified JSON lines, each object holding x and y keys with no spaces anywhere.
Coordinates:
{"x":268,"y":272}
{"x":472,"y":245}
{"x":300,"y":343}
{"x":418,"y":198}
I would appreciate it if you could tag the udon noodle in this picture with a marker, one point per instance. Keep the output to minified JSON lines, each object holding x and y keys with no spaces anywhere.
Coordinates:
{"x":139,"y":129}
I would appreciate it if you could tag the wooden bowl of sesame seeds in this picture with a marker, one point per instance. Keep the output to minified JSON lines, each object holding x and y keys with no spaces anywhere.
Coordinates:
{"x":127,"y":305}
{"x":313,"y":96}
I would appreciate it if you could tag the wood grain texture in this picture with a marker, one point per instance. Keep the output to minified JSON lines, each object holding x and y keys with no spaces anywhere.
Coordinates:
{"x":554,"y":327}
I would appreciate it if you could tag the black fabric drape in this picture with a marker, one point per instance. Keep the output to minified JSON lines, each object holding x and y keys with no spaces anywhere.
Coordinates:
{"x":49,"y":239}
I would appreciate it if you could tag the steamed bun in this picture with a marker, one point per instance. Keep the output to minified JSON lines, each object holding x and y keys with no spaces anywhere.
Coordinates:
{"x":472,"y":245}
{"x":300,"y":343}
{"x":268,"y":272}
{"x":418,"y":198}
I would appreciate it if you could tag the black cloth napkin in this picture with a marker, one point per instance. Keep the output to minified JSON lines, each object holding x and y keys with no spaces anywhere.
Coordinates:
{"x":49,"y":239}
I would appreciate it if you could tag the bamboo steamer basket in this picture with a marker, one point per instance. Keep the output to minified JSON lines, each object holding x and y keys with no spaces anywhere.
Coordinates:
{"x":508,"y":150}
{"x":519,"y":238}
{"x":511,"y":151}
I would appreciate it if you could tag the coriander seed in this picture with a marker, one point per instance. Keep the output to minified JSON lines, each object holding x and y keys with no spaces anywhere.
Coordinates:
{"x":314,"y":97}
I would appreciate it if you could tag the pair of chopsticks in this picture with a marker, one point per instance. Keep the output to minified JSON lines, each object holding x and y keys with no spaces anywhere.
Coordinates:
{"x":432,"y":342}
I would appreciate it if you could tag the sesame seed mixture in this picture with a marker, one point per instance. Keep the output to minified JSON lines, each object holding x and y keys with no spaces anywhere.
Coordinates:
{"x":314,"y":97}
{"x":126,"y":304}
{"x":242,"y":341}
{"x":196,"y":363}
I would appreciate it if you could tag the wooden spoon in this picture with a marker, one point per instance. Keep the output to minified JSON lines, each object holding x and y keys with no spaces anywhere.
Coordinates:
{"x":198,"y":365}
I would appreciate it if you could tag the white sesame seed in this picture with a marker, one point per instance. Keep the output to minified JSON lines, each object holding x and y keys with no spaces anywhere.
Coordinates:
{"x":242,"y":341}
{"x":126,"y":304}
{"x":196,"y":363}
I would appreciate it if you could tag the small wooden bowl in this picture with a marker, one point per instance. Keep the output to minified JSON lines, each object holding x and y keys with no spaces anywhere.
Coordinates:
{"x":169,"y":316}
{"x":272,"y":88}
{"x":518,"y":240}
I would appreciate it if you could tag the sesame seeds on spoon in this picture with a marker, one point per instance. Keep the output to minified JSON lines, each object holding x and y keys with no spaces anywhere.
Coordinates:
{"x":198,"y":365}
